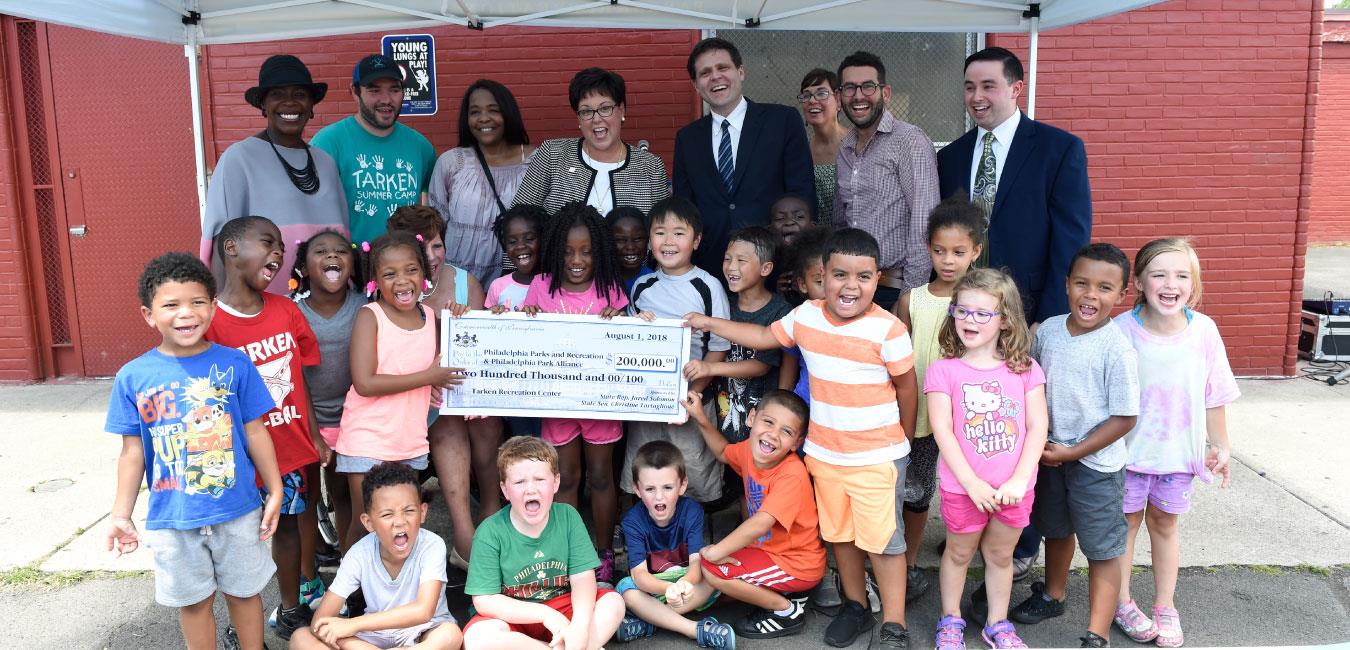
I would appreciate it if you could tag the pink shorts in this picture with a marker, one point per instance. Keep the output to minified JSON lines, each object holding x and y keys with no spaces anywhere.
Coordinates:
{"x":759,"y":569}
{"x":962,"y":517}
{"x":329,"y":435}
{"x":560,"y":431}
{"x":1170,"y":493}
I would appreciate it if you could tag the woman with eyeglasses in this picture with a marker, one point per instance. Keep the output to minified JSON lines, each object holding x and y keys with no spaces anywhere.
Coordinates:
{"x":598,"y":168}
{"x":819,"y":98}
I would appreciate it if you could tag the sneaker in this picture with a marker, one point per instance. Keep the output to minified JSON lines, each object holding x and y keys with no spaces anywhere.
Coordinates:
{"x":605,"y":572}
{"x":715,"y":634}
{"x":1093,"y":640}
{"x":290,"y":620}
{"x":764,"y":624}
{"x":951,"y":633}
{"x":893,"y":635}
{"x":633,"y":627}
{"x":873,"y":596}
{"x":1134,"y":623}
{"x":1002,"y":635}
{"x":1022,"y":566}
{"x":916,"y":584}
{"x":327,"y":555}
{"x":853,"y":619}
{"x":979,"y":604}
{"x":311,"y":592}
{"x":271,"y":618}
{"x":826,"y":596}
{"x":1037,"y":607}
{"x":1168,"y":623}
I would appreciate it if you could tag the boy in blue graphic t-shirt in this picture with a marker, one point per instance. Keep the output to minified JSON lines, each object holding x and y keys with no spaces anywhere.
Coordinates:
{"x":189,"y":413}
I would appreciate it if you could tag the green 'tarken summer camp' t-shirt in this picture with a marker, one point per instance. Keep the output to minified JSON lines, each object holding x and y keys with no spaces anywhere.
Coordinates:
{"x":505,"y":561}
{"x":379,"y":174}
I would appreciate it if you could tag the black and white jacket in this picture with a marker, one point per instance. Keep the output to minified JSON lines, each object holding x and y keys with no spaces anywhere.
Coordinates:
{"x":557,"y":176}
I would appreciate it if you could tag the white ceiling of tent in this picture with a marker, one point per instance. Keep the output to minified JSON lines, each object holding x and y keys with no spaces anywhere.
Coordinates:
{"x":236,"y":21}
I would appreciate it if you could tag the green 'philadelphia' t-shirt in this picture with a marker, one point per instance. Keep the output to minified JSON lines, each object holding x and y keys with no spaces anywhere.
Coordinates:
{"x":379,"y":175}
{"x":505,"y":561}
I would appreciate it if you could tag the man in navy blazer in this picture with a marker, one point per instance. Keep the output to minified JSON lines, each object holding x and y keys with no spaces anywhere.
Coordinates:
{"x":1041,"y":211}
{"x":736,"y":161}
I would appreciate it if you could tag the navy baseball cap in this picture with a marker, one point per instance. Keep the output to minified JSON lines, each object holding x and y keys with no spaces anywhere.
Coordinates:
{"x":377,"y":66}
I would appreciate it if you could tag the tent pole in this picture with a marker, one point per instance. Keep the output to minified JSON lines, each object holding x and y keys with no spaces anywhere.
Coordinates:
{"x":198,"y":146}
{"x":1031,"y":73}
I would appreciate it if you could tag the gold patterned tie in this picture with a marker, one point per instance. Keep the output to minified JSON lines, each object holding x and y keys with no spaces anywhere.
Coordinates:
{"x":986,"y":189}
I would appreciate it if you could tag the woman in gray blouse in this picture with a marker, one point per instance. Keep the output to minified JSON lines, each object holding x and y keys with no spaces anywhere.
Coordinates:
{"x":598,"y":168}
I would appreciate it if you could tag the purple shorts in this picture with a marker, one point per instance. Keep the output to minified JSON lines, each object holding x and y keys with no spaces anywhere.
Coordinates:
{"x":1170,"y":493}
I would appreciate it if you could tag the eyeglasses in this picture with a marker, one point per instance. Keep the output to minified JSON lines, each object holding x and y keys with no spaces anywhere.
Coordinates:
{"x":604,"y":111}
{"x":868,"y":88}
{"x":980,"y":316}
{"x":820,"y":95}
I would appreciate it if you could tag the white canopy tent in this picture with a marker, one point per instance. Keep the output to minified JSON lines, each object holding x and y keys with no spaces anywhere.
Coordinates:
{"x":204,"y":22}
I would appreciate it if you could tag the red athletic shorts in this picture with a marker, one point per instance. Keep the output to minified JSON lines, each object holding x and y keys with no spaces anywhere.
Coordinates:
{"x":758,"y":569}
{"x":562,"y":604}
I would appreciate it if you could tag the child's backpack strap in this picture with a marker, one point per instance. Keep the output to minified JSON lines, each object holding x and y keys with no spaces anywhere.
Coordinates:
{"x":705,"y":292}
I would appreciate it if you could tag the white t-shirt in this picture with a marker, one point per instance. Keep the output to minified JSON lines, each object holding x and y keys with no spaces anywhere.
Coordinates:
{"x":602,"y":191}
{"x":362,"y":569}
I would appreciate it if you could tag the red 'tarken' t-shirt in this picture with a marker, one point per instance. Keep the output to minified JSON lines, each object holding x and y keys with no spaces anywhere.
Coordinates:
{"x":279,"y":342}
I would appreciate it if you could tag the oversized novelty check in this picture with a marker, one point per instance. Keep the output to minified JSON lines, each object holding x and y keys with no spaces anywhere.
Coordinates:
{"x":559,"y":365}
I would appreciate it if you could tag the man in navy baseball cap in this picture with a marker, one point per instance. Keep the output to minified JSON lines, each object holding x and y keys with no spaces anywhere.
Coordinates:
{"x":383,"y":164}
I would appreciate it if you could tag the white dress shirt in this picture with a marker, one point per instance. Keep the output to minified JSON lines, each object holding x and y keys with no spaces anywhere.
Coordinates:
{"x":1003,"y":137}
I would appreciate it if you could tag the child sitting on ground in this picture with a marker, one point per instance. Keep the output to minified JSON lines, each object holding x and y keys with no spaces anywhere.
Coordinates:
{"x":532,"y":578}
{"x":774,"y":558}
{"x":663,"y":535}
{"x":274,"y":334}
{"x":400,"y":570}
{"x":191,"y":419}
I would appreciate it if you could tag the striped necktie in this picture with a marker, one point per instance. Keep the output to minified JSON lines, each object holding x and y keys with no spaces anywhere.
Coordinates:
{"x":986,"y":190}
{"x":725,"y":164}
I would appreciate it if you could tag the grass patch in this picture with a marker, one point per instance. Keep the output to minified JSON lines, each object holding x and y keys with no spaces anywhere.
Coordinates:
{"x":1314,"y":569}
{"x":30,"y":576}
{"x":1266,"y":569}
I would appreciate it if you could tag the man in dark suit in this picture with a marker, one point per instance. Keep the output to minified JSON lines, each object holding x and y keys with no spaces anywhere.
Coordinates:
{"x":1032,"y":180}
{"x":1030,"y":177}
{"x":736,"y":161}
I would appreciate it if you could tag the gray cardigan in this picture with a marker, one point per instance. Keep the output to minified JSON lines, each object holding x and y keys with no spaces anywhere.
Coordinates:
{"x":557,"y":176}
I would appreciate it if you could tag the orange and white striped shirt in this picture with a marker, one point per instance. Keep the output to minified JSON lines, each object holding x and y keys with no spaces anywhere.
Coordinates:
{"x":855,"y":416}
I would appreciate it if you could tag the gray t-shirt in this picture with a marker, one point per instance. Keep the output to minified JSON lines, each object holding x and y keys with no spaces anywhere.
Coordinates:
{"x":328,"y":382}
{"x":673,"y":296}
{"x":1089,"y":378}
{"x":362,"y":569}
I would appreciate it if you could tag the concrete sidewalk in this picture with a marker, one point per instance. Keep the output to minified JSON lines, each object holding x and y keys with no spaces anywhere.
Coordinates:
{"x":1285,"y":509}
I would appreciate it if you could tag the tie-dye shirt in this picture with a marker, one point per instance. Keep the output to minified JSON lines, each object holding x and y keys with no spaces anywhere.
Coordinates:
{"x":1180,"y":377}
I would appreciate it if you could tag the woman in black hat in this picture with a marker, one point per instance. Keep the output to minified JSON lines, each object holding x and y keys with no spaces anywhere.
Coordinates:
{"x":274,"y":173}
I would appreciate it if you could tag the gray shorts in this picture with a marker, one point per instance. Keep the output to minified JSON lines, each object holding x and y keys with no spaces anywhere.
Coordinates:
{"x":400,"y":638}
{"x":1074,"y":499}
{"x":921,"y":476}
{"x":702,"y":467}
{"x":363,"y":464}
{"x":192,"y":564}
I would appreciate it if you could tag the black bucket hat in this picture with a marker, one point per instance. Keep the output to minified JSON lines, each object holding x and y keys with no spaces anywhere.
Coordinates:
{"x":279,"y":71}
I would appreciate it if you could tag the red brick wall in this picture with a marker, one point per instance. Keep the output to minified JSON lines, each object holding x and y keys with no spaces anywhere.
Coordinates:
{"x":1195,"y":114}
{"x":536,"y":64}
{"x":18,"y":360}
{"x":1329,"y":219}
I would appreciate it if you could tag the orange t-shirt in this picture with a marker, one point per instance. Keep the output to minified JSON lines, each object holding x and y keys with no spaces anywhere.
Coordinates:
{"x":783,"y":491}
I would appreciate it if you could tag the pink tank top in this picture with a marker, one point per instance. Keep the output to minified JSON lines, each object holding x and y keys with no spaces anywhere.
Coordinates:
{"x":391,"y":427}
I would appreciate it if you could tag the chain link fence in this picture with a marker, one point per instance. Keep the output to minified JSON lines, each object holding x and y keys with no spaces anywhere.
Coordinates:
{"x":924,"y":70}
